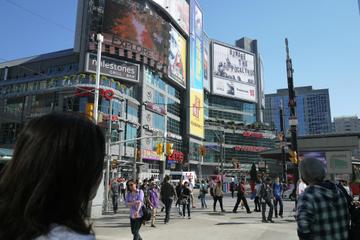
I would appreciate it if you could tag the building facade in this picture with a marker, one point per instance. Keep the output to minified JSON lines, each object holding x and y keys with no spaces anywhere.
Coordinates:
{"x":171,"y":85}
{"x":346,"y":124}
{"x":312,"y":110}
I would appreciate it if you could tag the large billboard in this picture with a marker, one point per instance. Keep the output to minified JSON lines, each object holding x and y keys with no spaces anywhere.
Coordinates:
{"x":177,"y":57}
{"x":233,"y":73}
{"x":178,"y":11}
{"x":135,"y":26}
{"x":113,"y":68}
{"x":196,"y":108}
{"x":206,"y":55}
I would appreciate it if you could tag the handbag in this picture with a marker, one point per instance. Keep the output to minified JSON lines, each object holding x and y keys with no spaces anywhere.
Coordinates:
{"x":146,"y":213}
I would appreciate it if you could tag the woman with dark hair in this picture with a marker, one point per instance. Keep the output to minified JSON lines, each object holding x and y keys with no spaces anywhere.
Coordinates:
{"x":54,"y":173}
{"x":135,"y":201}
{"x":185,"y":199}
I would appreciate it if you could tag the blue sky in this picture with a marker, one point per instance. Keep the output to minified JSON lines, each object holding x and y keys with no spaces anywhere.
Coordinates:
{"x":324,"y":38}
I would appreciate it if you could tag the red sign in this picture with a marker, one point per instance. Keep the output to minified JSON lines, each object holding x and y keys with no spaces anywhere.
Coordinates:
{"x":88,"y":91}
{"x":253,"y":134}
{"x":113,"y":117}
{"x":176,"y":156}
{"x":246,"y":148}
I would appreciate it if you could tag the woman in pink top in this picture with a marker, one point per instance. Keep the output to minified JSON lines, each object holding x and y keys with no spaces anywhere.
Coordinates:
{"x":135,"y":200}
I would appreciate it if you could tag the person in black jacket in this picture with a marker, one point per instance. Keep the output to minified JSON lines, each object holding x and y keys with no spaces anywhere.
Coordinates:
{"x":185,"y":198}
{"x":167,"y":193}
{"x":241,"y":197}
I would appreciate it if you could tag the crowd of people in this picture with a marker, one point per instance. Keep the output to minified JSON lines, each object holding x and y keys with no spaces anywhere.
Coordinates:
{"x":57,"y":167}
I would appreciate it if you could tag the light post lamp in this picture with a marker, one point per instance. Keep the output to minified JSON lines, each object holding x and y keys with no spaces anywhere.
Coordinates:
{"x":100,"y":40}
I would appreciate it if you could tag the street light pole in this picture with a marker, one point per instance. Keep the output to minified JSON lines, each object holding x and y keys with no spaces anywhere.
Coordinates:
{"x":100,"y":40}
{"x":107,"y":172}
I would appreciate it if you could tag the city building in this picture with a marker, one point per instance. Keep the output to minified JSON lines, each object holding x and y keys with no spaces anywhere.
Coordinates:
{"x":346,"y":124}
{"x":168,"y":94}
{"x":312,"y":110}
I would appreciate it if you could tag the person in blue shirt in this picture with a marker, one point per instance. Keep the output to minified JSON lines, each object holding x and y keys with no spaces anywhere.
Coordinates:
{"x":278,"y":190}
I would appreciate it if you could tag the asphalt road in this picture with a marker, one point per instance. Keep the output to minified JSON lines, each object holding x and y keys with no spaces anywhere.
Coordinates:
{"x":204,"y":224}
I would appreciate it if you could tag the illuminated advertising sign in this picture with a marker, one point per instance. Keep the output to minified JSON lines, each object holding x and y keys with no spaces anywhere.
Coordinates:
{"x":196,"y":109}
{"x":233,"y":73}
{"x":150,"y":155}
{"x":177,"y":57}
{"x":135,"y":26}
{"x":178,"y":11}
{"x":206,"y":63}
{"x":113,"y":68}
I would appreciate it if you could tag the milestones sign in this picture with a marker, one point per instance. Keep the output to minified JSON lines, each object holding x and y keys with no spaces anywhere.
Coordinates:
{"x":113,"y":68}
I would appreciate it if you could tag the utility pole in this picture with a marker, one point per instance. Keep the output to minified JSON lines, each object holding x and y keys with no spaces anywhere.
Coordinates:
{"x":282,"y":141}
{"x":108,"y":158}
{"x":292,"y":105}
{"x":100,"y":40}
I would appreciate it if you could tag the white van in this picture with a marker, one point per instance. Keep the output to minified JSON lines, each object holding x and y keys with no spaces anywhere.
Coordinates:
{"x":185,"y":176}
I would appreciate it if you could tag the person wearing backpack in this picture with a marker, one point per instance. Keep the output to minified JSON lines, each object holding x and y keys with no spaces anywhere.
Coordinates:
{"x":203,"y":192}
{"x":266,"y":197}
{"x":241,"y":197}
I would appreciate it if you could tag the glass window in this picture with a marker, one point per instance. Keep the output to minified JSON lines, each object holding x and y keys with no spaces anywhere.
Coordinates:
{"x":173,"y":107}
{"x":132,"y":110}
{"x":158,"y":121}
{"x":159,"y":99}
{"x":173,"y":126}
{"x":131,"y":133}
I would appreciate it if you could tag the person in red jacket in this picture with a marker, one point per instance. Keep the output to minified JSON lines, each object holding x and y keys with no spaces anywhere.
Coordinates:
{"x":241,"y":197}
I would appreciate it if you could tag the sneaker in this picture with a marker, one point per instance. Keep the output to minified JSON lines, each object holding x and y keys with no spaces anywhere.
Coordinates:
{"x":189,"y":217}
{"x":248,"y":212}
{"x":281,"y":216}
{"x":223,"y":210}
{"x":270,"y":221}
{"x":234,"y":211}
{"x":152,"y":225}
{"x":264,"y":221}
{"x":276,"y":216}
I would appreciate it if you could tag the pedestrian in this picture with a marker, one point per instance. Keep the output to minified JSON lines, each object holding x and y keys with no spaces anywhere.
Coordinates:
{"x":55,"y":171}
{"x":114,"y":192}
{"x":257,"y":196}
{"x":277,"y":190}
{"x":203,"y":191}
{"x":266,"y":197}
{"x":168,"y":194}
{"x":135,"y":201}
{"x":191,"y":187}
{"x":123,"y":189}
{"x":185,"y":197}
{"x":178,"y":190}
{"x":241,"y":196}
{"x":154,"y":201}
{"x":232,"y":187}
{"x":322,"y":209}
{"x":218,"y":195}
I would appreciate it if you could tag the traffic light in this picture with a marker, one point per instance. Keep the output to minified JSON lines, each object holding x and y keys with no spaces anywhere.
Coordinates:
{"x":89,"y":110}
{"x":169,"y":149}
{"x":159,"y":149}
{"x":114,"y":164}
{"x":293,"y":156}
{"x":202,"y":150}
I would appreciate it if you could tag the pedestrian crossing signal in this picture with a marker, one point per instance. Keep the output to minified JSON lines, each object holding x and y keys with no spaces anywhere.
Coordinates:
{"x":89,"y":110}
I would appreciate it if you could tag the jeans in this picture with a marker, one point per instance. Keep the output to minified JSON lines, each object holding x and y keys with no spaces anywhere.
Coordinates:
{"x":115,"y":198}
{"x":239,"y":198}
{"x":203,"y":202}
{"x":188,"y":209}
{"x":276,"y":201}
{"x":167,"y":202}
{"x":257,"y":204}
{"x":264,"y":210}
{"x":216,"y":198}
{"x":135,"y":227}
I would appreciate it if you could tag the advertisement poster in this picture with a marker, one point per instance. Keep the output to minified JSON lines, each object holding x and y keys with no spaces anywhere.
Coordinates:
{"x":178,"y":10}
{"x":196,"y":121}
{"x":339,"y":162}
{"x":233,"y":73}
{"x":206,"y":69}
{"x":134,"y":26}
{"x":177,"y":57}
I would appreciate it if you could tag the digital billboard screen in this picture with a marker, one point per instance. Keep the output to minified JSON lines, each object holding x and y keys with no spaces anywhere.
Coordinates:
{"x":136,"y":26}
{"x":177,"y":57}
{"x":178,"y":10}
{"x":233,"y":73}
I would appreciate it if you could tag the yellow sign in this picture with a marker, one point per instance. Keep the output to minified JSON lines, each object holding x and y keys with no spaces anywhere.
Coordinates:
{"x":196,"y":113}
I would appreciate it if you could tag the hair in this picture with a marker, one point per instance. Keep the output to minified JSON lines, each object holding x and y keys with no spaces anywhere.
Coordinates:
{"x":312,"y":170}
{"x":56,"y":167}
{"x":167,"y":178}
